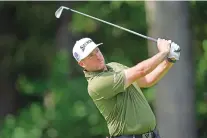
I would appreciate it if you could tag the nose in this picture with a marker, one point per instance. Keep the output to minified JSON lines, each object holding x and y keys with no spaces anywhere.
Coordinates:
{"x":98,"y":53}
{"x":99,"y":56}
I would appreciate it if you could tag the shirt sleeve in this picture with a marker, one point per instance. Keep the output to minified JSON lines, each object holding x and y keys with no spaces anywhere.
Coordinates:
{"x":108,"y":84}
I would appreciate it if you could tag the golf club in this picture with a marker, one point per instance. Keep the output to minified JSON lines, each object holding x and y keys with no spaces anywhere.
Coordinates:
{"x":60,"y":10}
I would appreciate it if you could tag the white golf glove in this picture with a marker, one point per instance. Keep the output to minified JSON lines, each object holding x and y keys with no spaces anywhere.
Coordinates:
{"x":174,"y":54}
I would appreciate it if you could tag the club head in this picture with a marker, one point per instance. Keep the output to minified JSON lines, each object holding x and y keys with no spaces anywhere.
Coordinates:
{"x":60,"y":10}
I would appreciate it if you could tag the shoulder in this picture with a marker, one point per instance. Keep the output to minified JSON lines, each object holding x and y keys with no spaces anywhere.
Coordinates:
{"x":114,"y":64}
{"x":95,"y":86}
{"x":106,"y":83}
{"x":99,"y":80}
{"x":95,"y":83}
{"x":91,"y":92}
{"x":117,"y":65}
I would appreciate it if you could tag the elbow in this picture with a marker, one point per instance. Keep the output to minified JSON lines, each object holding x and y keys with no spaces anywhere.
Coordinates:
{"x":147,"y":85}
{"x":151,"y":83}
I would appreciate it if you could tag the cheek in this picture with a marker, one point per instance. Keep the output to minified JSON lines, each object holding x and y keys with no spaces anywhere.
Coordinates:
{"x":100,"y":56}
{"x":93,"y":62}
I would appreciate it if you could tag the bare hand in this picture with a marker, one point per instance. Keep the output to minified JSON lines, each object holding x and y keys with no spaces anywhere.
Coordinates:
{"x":163,"y":45}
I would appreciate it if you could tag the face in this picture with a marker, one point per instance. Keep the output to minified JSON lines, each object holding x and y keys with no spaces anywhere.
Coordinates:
{"x":94,"y":61}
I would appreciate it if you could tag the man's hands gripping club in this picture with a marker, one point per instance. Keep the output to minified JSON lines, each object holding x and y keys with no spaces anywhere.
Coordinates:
{"x":163,"y":45}
{"x":174,"y":54}
{"x":166,"y":51}
{"x":170,"y":47}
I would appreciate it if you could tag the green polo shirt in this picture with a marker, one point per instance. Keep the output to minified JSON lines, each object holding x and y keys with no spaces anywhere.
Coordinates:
{"x":126,"y":111}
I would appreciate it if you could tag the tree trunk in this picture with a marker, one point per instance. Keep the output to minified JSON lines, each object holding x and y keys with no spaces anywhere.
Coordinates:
{"x":8,"y":92}
{"x":175,"y":99}
{"x":65,"y":39}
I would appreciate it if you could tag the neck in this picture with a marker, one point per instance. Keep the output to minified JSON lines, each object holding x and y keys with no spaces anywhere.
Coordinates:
{"x":104,"y":69}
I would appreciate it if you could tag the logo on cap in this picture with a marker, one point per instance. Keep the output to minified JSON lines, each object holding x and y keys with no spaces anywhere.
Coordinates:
{"x":85,"y":44}
{"x":77,"y":57}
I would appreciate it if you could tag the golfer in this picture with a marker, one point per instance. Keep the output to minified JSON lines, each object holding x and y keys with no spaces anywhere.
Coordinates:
{"x":115,"y":88}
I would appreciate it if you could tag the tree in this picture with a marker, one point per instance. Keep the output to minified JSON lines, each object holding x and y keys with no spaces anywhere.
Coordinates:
{"x":8,"y":92}
{"x":175,"y":103}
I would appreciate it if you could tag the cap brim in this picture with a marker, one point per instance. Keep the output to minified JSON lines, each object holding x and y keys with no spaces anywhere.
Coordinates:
{"x":99,"y":44}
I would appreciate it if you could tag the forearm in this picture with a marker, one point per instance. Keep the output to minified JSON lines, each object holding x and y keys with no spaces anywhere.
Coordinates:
{"x":143,"y":68}
{"x":150,"y":64}
{"x":154,"y":76}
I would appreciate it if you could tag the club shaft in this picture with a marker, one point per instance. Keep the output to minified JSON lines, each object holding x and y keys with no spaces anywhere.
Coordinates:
{"x":133,"y":32}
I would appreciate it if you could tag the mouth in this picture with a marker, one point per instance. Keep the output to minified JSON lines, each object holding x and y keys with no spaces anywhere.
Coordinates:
{"x":101,"y":62}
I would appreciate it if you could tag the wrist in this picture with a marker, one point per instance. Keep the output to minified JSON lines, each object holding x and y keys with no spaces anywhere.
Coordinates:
{"x":164,"y":53}
{"x":171,"y":60}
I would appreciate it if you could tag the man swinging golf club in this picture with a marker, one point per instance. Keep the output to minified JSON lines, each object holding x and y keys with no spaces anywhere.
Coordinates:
{"x":115,"y":88}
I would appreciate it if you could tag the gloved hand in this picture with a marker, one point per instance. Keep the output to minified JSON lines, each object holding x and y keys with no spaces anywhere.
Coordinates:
{"x":174,"y":54}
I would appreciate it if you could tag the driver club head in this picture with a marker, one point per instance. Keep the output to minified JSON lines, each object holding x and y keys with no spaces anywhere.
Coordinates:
{"x":60,"y":10}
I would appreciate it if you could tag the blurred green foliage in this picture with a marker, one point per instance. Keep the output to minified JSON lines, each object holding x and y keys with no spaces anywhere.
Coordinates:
{"x":67,"y":111}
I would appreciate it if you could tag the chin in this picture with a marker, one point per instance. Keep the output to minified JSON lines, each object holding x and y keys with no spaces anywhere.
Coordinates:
{"x":102,"y":67}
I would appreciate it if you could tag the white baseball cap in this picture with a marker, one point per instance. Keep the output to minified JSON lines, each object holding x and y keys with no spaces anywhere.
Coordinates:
{"x":83,"y":48}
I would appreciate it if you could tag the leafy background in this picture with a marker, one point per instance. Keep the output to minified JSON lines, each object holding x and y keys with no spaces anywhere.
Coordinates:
{"x":43,"y":91}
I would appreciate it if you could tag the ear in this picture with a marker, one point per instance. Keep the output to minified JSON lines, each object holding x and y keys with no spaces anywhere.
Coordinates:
{"x":81,"y":64}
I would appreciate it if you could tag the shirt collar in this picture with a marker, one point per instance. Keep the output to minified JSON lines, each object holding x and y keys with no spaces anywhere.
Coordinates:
{"x":88,"y":75}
